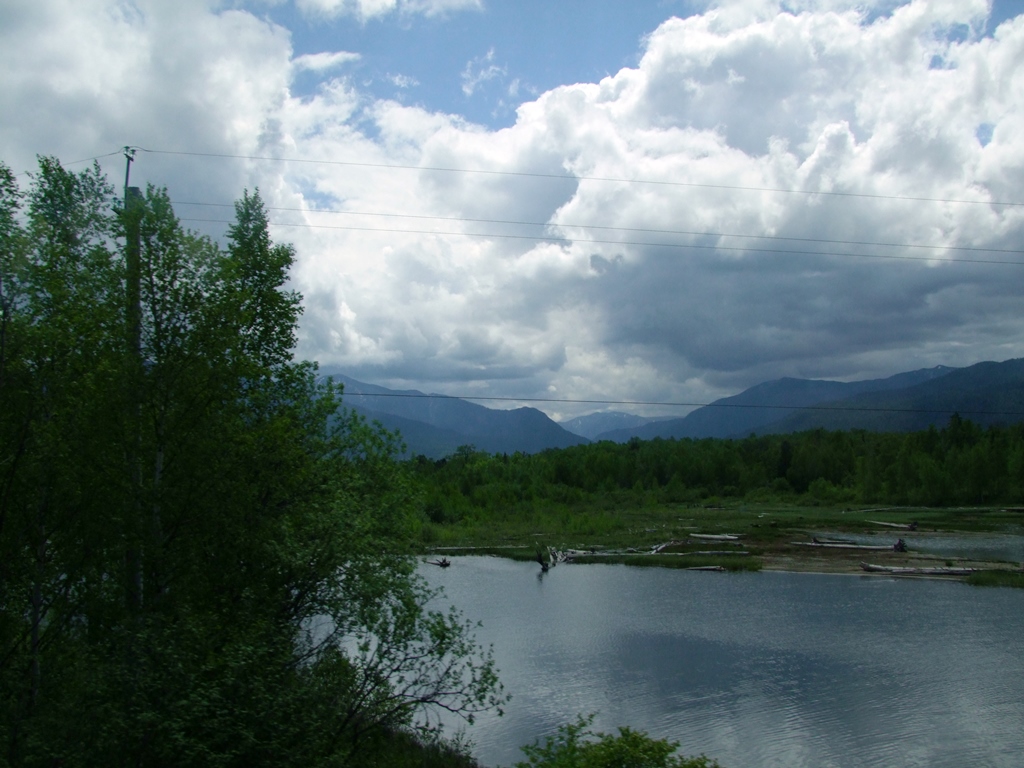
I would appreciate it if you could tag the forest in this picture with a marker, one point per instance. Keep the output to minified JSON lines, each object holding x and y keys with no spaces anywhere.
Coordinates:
{"x":960,"y":464}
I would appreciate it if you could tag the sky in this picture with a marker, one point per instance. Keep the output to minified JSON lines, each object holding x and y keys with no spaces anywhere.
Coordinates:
{"x":657,"y":201}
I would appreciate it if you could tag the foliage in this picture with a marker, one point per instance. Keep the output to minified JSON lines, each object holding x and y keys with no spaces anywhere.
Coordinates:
{"x":997,"y":579}
{"x":199,"y":561}
{"x":576,"y":746}
{"x":956,"y":465}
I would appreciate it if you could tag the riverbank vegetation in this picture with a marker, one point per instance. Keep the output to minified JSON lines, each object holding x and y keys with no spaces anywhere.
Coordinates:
{"x":774,"y":493}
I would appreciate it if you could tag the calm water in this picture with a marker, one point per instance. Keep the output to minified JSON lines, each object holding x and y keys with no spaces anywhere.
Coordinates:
{"x":766,"y":669}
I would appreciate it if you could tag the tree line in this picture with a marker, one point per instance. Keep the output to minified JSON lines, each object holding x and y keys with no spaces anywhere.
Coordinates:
{"x":960,"y":463}
{"x":201,"y":561}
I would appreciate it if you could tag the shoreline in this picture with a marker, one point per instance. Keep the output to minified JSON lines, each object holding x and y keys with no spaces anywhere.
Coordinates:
{"x":753,"y":537}
{"x":836,"y":563}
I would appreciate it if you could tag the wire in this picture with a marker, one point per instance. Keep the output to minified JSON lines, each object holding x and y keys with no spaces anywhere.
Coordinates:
{"x":610,"y":228}
{"x":98,"y":157}
{"x":573,"y":401}
{"x":595,"y":241}
{"x":566,"y":177}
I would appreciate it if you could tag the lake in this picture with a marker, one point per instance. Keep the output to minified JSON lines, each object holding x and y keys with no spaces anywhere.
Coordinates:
{"x":754,"y":670}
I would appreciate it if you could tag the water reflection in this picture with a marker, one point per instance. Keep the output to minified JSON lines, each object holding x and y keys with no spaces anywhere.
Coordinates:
{"x":753,"y":669}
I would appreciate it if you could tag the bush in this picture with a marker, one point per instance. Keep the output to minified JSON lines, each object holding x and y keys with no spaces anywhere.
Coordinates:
{"x":576,"y":746}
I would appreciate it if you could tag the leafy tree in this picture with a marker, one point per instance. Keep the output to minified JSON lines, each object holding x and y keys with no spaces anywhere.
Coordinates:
{"x":195,"y":549}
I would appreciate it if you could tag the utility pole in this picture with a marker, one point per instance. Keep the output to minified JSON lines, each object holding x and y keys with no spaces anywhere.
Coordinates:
{"x":133,"y":268}
{"x":132,"y":215}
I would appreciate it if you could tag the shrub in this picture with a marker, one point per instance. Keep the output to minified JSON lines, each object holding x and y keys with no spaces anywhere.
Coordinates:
{"x":576,"y":746}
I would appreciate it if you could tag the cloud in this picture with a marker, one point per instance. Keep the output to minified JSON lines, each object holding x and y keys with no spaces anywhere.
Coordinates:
{"x":480,"y":70}
{"x":403,"y":81}
{"x":321,"y":62}
{"x":88,"y":76}
{"x":767,"y":192}
{"x":370,"y":9}
{"x":716,"y":115}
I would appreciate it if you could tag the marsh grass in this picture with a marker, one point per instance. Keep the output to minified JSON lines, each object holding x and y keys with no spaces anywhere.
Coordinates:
{"x":759,"y":525}
{"x":997,"y":579}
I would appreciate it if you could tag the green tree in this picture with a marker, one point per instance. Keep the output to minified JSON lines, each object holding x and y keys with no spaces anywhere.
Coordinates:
{"x":195,"y":548}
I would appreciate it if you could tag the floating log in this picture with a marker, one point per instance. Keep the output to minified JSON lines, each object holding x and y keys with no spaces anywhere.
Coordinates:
{"x":660,"y":547}
{"x":900,"y":571}
{"x":729,"y":552}
{"x":824,"y":545}
{"x":900,"y":526}
{"x":824,"y":540}
{"x":444,"y":562}
{"x":705,"y":568}
{"x":715,"y":536}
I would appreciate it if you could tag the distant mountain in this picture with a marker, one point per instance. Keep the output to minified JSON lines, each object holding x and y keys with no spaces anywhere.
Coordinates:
{"x":986,"y":393}
{"x":593,"y":424}
{"x":754,"y":409}
{"x":435,"y":425}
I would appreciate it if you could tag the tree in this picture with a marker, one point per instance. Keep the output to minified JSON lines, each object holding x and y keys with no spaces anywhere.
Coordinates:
{"x":194,"y":546}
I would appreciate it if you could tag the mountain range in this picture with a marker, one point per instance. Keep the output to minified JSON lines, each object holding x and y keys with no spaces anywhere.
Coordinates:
{"x":436,"y":425}
{"x":763,"y":407}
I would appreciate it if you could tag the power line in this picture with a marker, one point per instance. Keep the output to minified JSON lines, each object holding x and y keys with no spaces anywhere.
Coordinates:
{"x":685,"y":232}
{"x":596,"y":241}
{"x":676,"y":404}
{"x":569,"y":177}
{"x":100,"y":157}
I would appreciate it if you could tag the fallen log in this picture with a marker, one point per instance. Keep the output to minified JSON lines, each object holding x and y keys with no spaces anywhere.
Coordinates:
{"x":729,"y":552}
{"x":660,"y":547}
{"x":824,"y":545}
{"x":715,"y":536}
{"x":909,"y":571}
{"x":900,"y":526}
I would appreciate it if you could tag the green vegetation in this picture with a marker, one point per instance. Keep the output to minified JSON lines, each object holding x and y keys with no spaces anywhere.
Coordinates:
{"x":576,"y":746}
{"x":997,"y":579}
{"x":961,"y":464}
{"x":200,"y":563}
{"x":619,"y":502}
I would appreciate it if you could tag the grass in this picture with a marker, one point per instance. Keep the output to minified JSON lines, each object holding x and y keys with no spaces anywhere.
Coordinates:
{"x":646,"y":526}
{"x":997,"y":579}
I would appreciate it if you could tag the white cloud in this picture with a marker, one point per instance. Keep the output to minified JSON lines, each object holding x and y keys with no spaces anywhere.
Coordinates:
{"x":403,"y":81}
{"x":480,"y":70}
{"x":84,"y":77}
{"x":370,"y":9}
{"x":321,"y":62}
{"x":722,"y":108}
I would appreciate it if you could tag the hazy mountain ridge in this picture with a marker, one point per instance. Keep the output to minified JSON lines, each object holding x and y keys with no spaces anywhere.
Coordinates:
{"x":435,"y":425}
{"x":594,"y":424}
{"x":987,"y":393}
{"x":754,"y":409}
